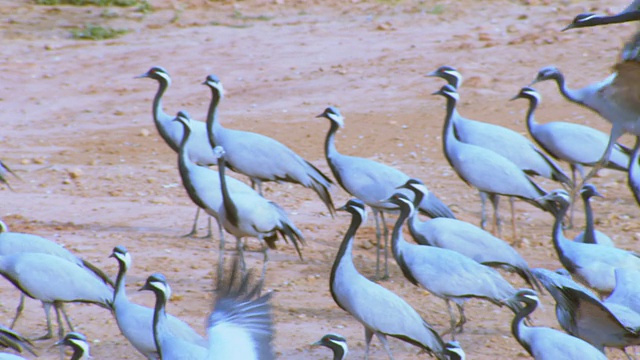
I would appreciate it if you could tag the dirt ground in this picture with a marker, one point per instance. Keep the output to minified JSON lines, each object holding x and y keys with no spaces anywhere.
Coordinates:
{"x":77,"y":128}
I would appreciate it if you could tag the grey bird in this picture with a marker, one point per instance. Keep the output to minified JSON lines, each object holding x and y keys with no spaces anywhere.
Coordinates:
{"x":240,"y":325}
{"x":380,"y":311}
{"x":445,"y":273}
{"x":15,"y":243}
{"x":260,"y":157}
{"x":590,"y":235}
{"x":627,"y":290}
{"x":4,"y":171}
{"x":484,"y":169}
{"x":465,"y":238}
{"x":136,"y":321}
{"x":591,"y":264}
{"x":545,"y":343}
{"x":78,"y":343}
{"x":54,"y":281}
{"x":203,"y":184}
{"x":168,"y":345}
{"x":372,"y":182}
{"x":13,"y":340}
{"x":172,"y":133}
{"x":248,"y":214}
{"x":630,"y":13}
{"x":337,"y":344}
{"x":501,"y":140}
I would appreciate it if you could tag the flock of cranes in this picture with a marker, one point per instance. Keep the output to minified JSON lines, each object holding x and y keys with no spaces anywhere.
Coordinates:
{"x":451,"y":259}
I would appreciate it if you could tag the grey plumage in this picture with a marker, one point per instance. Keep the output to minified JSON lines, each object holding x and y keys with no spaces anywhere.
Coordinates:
{"x":11,"y":339}
{"x":136,"y":321}
{"x":337,"y":344}
{"x":371,"y":304}
{"x":53,"y":281}
{"x":172,"y":132}
{"x":169,"y":346}
{"x":14,"y":243}
{"x":262,"y":158}
{"x":633,"y":178}
{"x":545,"y":343}
{"x":630,"y":13}
{"x":372,"y":182}
{"x":590,"y":235}
{"x":78,"y":343}
{"x":592,"y":264}
{"x":467,"y":239}
{"x":445,"y":273}
{"x":484,"y":169}
{"x":240,"y":325}
{"x":627,"y":290}
{"x":248,"y":214}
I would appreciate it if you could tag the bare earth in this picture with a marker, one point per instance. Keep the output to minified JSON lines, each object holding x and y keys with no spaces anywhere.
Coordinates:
{"x":77,"y":128}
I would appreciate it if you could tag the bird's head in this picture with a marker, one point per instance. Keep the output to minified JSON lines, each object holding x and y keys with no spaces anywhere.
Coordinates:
{"x":158,"y":284}
{"x":547,"y":73}
{"x":529,"y":93}
{"x":449,"y":74}
{"x":332,"y":113}
{"x":582,"y":20}
{"x":157,"y":73}
{"x":448,"y":92}
{"x":589,"y":190}
{"x":355,"y":207}
{"x":121,"y":254}
{"x":213,"y":82}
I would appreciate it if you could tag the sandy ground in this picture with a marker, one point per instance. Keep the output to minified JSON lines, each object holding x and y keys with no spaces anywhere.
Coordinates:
{"x":77,"y":127}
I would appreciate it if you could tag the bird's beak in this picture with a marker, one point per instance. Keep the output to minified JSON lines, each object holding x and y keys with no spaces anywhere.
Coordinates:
{"x":535,"y":81}
{"x":317,"y":343}
{"x":144,"y":287}
{"x":433,"y":73}
{"x":141,"y":76}
{"x":515,"y":97}
{"x":439,"y":92}
{"x":570,"y":26}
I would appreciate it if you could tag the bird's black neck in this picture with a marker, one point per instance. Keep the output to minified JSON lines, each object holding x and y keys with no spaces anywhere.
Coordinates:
{"x":589,"y":231}
{"x":396,"y":238}
{"x":230,"y":208}
{"x":159,"y":316}
{"x":344,"y":252}
{"x":517,"y":323}
{"x":212,"y":116}
{"x":559,"y":238}
{"x":330,"y":150}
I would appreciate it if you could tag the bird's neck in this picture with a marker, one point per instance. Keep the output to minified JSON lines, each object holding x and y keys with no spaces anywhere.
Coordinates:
{"x":570,"y":94}
{"x":230,"y":209}
{"x":183,"y":154}
{"x":517,"y":325}
{"x":158,"y":112}
{"x":331,"y":152}
{"x":559,"y":240}
{"x":397,"y":240}
{"x":213,"y":124}
{"x":448,"y":137}
{"x":589,"y":231}
{"x":344,"y":260}
{"x":120,"y":293}
{"x":159,"y":320}
{"x":338,"y":352}
{"x":613,"y":19}
{"x":531,"y":120}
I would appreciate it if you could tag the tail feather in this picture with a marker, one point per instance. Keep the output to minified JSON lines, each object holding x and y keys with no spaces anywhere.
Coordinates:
{"x":433,"y":207}
{"x":99,"y":273}
{"x":322,"y":185}
{"x":289,"y":231}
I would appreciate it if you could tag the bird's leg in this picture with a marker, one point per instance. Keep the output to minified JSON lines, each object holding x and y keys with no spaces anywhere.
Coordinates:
{"x":452,"y":320}
{"x":47,"y":312}
{"x":616,"y":132}
{"x":574,"y":191}
{"x":240,"y":250}
{"x":209,"y":231}
{"x":220,"y":250}
{"x":383,"y":339}
{"x":194,"y":228}
{"x":256,"y":183}
{"x":60,"y":328}
{"x":368,"y":335}
{"x":378,"y":234}
{"x":386,"y":246}
{"x":629,"y":356}
{"x":265,"y":260}
{"x":18,"y":310}
{"x":483,"y":209}
{"x":66,"y":316}
{"x":512,"y":202}
{"x":463,"y":318}
{"x":497,"y":223}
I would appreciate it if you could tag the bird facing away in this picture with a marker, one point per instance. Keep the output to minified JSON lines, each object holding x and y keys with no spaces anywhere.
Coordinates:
{"x":545,"y":343}
{"x":379,"y":310}
{"x":248,"y":214}
{"x":590,"y":235}
{"x":445,"y":273}
{"x":136,"y":321}
{"x":337,"y":344}
{"x":15,"y":242}
{"x":484,"y":169}
{"x":501,"y":140}
{"x":262,"y":158}
{"x":630,"y":13}
{"x":4,"y":171}
{"x":465,"y":238}
{"x":172,"y":133}
{"x":591,"y":264}
{"x":54,"y":281}
{"x":203,"y":184}
{"x":168,"y":345}
{"x":372,"y":182}
{"x":78,"y":343}
{"x":240,"y":325}
{"x":13,"y":340}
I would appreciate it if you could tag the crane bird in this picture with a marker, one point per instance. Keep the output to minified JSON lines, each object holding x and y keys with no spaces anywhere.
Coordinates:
{"x":248,"y":214}
{"x":590,"y":234}
{"x":203,"y":184}
{"x":54,"y":281}
{"x":484,"y":169}
{"x":260,"y":157}
{"x":372,"y":182}
{"x":465,"y":238}
{"x":78,"y":344}
{"x":11,"y":339}
{"x":172,"y":133}
{"x":14,"y":243}
{"x":592,"y":264}
{"x":630,"y":13}
{"x":136,"y":321}
{"x":445,"y":273}
{"x":380,"y":311}
{"x":627,"y":290}
{"x":504,"y":141}
{"x":337,"y":344}
{"x":545,"y":343}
